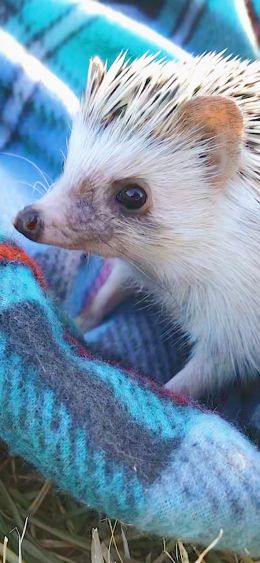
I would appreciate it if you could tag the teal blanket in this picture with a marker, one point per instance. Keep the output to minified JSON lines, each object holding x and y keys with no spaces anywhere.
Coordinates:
{"x":110,"y":437}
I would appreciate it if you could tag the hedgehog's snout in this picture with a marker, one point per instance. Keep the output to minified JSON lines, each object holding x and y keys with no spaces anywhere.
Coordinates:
{"x":30,"y":223}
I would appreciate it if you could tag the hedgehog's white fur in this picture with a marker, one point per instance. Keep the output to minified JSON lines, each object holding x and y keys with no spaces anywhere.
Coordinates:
{"x":202,"y":259}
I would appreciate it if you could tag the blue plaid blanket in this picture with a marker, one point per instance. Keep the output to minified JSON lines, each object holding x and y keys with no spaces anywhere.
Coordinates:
{"x":73,"y":405}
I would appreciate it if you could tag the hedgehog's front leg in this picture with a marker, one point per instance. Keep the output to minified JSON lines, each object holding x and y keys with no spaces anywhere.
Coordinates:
{"x":194,"y":379}
{"x":113,"y":289}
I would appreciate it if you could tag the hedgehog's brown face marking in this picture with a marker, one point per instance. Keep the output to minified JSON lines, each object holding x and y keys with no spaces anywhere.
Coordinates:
{"x":92,"y":221}
{"x":84,"y":224}
{"x":95,"y":221}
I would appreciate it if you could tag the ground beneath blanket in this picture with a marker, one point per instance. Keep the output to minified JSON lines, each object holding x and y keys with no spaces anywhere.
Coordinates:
{"x":60,"y":529}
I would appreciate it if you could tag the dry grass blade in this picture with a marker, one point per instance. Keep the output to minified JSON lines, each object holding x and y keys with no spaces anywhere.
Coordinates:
{"x":8,"y":555}
{"x":63,"y":535}
{"x":105,"y":553}
{"x":62,"y":529}
{"x":183,"y":552}
{"x":169,"y":557}
{"x":5,"y":549}
{"x":40,"y":498}
{"x":211,"y":546}
{"x":112,"y":528}
{"x":13,"y":508}
{"x":34,"y":552}
{"x":165,"y":555}
{"x":96,"y":551}
{"x":161,"y":558}
{"x":125,"y":544}
{"x":21,"y":538}
{"x":64,"y":559}
{"x":247,"y":559}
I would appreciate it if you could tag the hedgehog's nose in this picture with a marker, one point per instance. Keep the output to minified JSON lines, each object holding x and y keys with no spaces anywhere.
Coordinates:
{"x":30,"y":223}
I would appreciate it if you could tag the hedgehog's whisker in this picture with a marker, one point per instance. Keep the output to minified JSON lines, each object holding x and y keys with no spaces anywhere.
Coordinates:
{"x":32,"y":186}
{"x":44,"y":188}
{"x":37,"y":168}
{"x":62,"y":152}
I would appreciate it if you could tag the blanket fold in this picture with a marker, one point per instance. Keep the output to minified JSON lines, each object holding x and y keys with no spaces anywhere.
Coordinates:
{"x":110,"y":438}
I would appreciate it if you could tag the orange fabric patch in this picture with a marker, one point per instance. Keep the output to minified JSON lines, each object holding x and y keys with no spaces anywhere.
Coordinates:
{"x":14,"y":254}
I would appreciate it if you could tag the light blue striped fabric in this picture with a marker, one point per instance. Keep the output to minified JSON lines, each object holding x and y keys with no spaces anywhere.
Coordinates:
{"x":108,"y":438}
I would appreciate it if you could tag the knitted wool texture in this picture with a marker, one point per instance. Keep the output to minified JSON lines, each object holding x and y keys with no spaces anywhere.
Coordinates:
{"x":109,"y":438}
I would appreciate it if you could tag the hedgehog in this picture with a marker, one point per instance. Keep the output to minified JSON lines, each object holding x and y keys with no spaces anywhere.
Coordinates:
{"x":162,"y":175}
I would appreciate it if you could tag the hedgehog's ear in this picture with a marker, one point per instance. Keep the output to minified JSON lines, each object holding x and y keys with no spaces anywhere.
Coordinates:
{"x":218,"y":122}
{"x":96,"y":73}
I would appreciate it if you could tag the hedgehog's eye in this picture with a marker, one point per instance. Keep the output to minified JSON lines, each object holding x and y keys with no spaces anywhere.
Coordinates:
{"x":132,"y":197}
